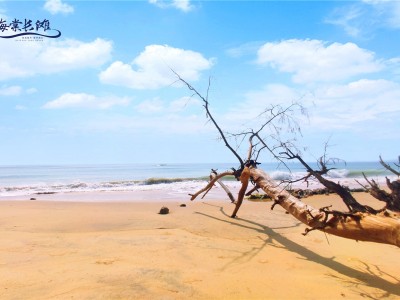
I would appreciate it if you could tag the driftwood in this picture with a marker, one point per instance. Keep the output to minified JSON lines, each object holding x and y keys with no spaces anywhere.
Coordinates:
{"x":383,"y":227}
{"x":212,"y":182}
{"x":223,"y":186}
{"x":361,"y":222}
{"x":380,"y":228}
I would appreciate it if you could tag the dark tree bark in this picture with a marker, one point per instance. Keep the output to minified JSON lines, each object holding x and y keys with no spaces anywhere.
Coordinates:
{"x":391,"y":199}
{"x":343,"y":192}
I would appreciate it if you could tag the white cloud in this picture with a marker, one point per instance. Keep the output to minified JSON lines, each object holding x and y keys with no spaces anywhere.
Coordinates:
{"x":150,"y":106}
{"x":357,"y":104}
{"x":387,"y":11}
{"x":20,"y":107}
{"x":317,"y":61}
{"x":348,"y":18}
{"x":31,"y":91}
{"x":394,"y":19}
{"x":152,"y":68}
{"x":244,"y":49}
{"x":183,"y":5}
{"x":362,"y":18}
{"x":157,"y":106}
{"x":10,"y":90}
{"x":51,"y":57}
{"x":167,"y":123}
{"x":15,"y":90}
{"x":183,"y":103}
{"x":57,"y":6}
{"x":358,"y":101}
{"x":248,"y":113}
{"x":82,"y":100}
{"x":76,"y":54}
{"x":255,"y":102}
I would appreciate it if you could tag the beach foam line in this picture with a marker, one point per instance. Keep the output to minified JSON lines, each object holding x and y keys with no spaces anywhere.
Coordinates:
{"x":167,"y":188}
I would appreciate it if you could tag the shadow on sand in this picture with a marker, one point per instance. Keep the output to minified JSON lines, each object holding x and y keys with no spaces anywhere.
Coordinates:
{"x":357,"y":278}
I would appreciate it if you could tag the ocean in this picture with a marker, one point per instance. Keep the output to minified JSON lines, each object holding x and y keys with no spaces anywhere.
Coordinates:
{"x":49,"y":179}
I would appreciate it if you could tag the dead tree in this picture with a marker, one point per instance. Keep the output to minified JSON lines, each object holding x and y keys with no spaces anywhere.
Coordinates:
{"x":360,"y":223}
{"x":391,"y":199}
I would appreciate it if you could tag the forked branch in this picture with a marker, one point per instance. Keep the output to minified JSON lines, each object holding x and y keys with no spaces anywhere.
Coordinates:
{"x":391,"y":199}
{"x":344,"y":193}
{"x":210,"y":184}
{"x":209,"y":115}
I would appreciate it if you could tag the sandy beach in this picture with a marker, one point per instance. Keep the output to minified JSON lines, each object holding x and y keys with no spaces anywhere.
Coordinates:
{"x":126,"y":250}
{"x":113,"y":110}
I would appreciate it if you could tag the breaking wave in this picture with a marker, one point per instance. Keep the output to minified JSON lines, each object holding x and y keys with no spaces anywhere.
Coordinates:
{"x":30,"y":180}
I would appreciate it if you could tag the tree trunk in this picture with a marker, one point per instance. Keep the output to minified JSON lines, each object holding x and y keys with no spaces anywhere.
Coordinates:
{"x":380,"y":228}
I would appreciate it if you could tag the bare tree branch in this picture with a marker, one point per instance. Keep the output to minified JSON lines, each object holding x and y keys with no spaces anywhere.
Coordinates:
{"x":211,"y":184}
{"x":346,"y":196}
{"x":388,"y":167}
{"x":209,"y":115}
{"x":224,"y":187}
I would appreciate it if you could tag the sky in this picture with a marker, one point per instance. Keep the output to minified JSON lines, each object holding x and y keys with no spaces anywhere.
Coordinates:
{"x":104,"y":92}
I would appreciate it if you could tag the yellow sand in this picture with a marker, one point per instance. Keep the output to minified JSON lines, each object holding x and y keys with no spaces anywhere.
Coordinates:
{"x":61,"y":250}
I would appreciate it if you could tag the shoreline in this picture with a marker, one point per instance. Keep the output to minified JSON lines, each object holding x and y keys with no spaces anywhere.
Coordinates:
{"x":168,"y":180}
{"x":166,"y":191}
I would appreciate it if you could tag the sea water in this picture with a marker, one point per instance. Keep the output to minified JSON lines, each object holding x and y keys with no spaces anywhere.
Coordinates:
{"x":46,"y":179}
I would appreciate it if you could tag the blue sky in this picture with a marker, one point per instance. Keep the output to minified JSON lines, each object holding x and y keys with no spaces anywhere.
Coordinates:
{"x":103,"y":91}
